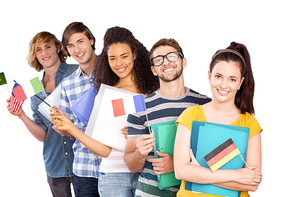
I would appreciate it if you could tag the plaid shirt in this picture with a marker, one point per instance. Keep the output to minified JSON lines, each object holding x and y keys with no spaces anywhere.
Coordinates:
{"x":86,"y":163}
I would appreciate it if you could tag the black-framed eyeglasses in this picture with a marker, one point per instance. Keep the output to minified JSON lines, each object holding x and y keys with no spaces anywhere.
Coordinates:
{"x":171,"y":57}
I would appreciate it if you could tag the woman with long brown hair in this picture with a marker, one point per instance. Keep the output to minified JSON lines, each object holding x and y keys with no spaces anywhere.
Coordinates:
{"x":232,"y":85}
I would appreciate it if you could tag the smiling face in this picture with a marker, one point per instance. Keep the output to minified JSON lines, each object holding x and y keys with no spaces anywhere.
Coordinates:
{"x":121,"y":59}
{"x":225,"y":80}
{"x":47,"y":54}
{"x":168,"y":71}
{"x":80,"y":47}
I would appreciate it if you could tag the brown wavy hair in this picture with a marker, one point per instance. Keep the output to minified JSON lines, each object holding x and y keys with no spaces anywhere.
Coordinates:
{"x":244,"y":96}
{"x":43,"y":37}
{"x":76,"y":27}
{"x":147,"y":83}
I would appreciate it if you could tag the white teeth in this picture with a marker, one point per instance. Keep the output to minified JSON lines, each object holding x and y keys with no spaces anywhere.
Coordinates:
{"x":168,"y":70}
{"x":223,"y":92}
{"x":80,"y":55}
{"x":46,"y":58}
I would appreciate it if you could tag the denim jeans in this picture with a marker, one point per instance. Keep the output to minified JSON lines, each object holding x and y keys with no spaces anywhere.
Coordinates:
{"x":86,"y":187}
{"x":118,"y":184}
{"x":60,"y":187}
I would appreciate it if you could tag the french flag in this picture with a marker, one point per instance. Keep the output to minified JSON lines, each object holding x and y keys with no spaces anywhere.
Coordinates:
{"x":128,"y":105}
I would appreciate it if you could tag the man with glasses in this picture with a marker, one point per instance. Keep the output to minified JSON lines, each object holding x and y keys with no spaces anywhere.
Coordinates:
{"x":165,"y":104}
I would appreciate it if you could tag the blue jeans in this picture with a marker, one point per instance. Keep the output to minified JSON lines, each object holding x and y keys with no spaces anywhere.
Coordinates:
{"x":86,"y":186}
{"x":118,"y":184}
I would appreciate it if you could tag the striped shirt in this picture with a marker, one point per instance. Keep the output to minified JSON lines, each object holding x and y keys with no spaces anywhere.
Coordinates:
{"x":159,"y":109}
{"x":114,"y":163}
{"x":86,"y":163}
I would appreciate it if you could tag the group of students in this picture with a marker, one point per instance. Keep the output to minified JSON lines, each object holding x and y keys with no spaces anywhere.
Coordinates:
{"x":95,"y":169}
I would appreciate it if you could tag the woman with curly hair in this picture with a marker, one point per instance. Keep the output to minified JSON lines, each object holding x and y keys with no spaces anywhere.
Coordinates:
{"x":109,"y":71}
{"x":124,"y":63}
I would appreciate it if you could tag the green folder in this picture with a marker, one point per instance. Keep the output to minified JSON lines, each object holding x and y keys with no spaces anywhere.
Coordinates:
{"x":165,"y":134}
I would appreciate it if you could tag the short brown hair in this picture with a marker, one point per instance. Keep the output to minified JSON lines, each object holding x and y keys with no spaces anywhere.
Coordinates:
{"x":166,"y":42}
{"x":76,"y":27}
{"x":43,"y":37}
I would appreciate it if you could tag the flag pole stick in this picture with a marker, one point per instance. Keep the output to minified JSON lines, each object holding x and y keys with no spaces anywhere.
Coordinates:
{"x":8,"y":90}
{"x":244,"y":161}
{"x":42,"y":100}
{"x":48,"y":102}
{"x":47,"y":99}
{"x":148,"y":122}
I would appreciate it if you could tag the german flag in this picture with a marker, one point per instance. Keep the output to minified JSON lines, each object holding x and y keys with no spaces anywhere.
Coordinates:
{"x":221,"y":155}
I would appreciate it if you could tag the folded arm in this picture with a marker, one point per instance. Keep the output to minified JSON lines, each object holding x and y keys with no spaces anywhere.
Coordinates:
{"x":242,"y":180}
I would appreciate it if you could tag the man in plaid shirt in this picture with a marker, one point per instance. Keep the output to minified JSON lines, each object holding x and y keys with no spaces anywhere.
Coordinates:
{"x":80,"y":44}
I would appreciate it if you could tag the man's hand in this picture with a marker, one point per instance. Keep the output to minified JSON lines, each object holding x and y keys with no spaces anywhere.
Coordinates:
{"x":11,"y":111}
{"x":162,"y":165}
{"x":144,"y":144}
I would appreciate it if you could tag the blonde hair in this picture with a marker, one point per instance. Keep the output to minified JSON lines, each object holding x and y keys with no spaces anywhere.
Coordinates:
{"x":43,"y":37}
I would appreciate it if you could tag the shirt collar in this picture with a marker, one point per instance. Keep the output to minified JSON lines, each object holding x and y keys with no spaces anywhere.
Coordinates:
{"x":80,"y":73}
{"x":63,"y":67}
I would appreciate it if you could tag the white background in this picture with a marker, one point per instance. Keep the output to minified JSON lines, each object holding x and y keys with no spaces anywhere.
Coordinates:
{"x":201,"y":27}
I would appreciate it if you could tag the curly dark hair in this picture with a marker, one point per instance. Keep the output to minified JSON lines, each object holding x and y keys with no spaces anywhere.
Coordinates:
{"x":147,"y":83}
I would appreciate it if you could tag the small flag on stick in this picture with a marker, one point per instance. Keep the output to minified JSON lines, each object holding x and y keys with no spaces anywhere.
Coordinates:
{"x":17,"y":98}
{"x":221,"y":155}
{"x":128,"y":105}
{"x":19,"y":93}
{"x":2,"y":79}
{"x":37,"y":85}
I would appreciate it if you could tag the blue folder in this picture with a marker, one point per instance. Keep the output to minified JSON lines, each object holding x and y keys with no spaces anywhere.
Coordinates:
{"x":165,"y":134}
{"x":205,"y":137}
{"x":83,"y":107}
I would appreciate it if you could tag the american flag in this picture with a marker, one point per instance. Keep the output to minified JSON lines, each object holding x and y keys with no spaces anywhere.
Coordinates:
{"x":14,"y":103}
